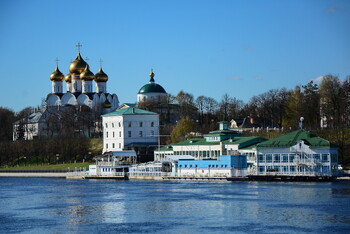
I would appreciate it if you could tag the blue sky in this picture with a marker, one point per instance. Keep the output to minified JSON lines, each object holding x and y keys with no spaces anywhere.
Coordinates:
{"x":242,"y":48}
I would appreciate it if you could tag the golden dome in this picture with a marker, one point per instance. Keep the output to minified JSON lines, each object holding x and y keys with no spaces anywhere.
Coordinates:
{"x":107,"y":104}
{"x":56,"y":75}
{"x":78,"y":65}
{"x":100,"y":76}
{"x":87,"y":74}
{"x":68,"y":78}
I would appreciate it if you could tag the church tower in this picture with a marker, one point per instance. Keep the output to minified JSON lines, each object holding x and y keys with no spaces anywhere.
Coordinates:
{"x":101,"y":79}
{"x":57,"y":77}
{"x":86,"y":78}
{"x":75,"y":69}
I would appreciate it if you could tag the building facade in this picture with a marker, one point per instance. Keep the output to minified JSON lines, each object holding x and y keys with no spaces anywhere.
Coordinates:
{"x":212,"y":146}
{"x":297,"y":153}
{"x":131,"y":128}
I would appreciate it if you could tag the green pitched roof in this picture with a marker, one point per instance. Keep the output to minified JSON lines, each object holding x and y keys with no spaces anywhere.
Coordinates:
{"x":165,"y":148}
{"x":241,"y":141}
{"x":130,"y":111}
{"x":197,"y":141}
{"x":152,"y":88}
{"x":291,"y":139}
{"x":244,"y":142}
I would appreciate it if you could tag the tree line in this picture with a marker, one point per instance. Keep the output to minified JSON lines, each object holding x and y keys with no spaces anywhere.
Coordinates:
{"x":326,"y":104}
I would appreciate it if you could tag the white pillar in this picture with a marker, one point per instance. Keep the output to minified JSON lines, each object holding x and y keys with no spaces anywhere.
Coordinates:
{"x":76,"y":84}
{"x":86,"y":86}
{"x":57,"y":87}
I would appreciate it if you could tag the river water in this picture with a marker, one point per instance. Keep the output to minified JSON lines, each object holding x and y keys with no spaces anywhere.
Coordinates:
{"x":53,"y":205}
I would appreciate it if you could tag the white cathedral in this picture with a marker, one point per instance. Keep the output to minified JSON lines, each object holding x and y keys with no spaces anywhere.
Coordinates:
{"x":79,"y":90}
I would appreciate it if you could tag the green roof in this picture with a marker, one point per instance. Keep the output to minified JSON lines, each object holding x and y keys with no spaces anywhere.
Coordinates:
{"x":152,"y":88}
{"x":165,"y":148}
{"x":290,"y":139}
{"x":197,"y":141}
{"x":130,"y":111}
{"x":245,"y":142}
{"x":241,"y":141}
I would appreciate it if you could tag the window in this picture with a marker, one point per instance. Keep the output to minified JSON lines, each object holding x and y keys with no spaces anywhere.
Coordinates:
{"x":113,"y":134}
{"x":317,"y":156}
{"x":120,"y":134}
{"x":285,"y":158}
{"x":129,"y":133}
{"x":129,"y":124}
{"x":113,"y":146}
{"x":152,"y":133}
{"x":106,"y":134}
{"x":325,"y":158}
{"x":106,"y":146}
{"x":261,"y":169}
{"x":292,"y":168}
{"x":120,"y":145}
{"x":140,"y":124}
{"x":268,"y":158}
{"x":261,"y":158}
{"x":140,"y":133}
{"x":112,"y":125}
{"x":152,"y":124}
{"x":119,"y":124}
{"x":106,"y":125}
{"x":276,"y":158}
{"x":291,"y":157}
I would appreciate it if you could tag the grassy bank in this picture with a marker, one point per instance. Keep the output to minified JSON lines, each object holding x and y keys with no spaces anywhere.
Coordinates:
{"x":45,"y":167}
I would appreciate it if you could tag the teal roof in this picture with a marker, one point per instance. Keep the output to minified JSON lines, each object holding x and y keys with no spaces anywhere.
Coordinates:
{"x":130,"y":111}
{"x":165,"y":148}
{"x":245,"y":142}
{"x":152,"y":88}
{"x":291,"y":139}
{"x":241,"y":141}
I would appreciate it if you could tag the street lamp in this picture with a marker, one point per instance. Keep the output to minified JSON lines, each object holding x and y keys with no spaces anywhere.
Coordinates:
{"x":57,"y":157}
{"x":25,"y":161}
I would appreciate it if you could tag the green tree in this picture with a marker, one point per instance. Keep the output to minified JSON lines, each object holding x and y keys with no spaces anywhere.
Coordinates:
{"x":311,"y":105}
{"x":293,"y":111}
{"x":182,"y":130}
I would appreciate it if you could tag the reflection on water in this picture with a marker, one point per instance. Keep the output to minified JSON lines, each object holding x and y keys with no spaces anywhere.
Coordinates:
{"x":40,"y":204}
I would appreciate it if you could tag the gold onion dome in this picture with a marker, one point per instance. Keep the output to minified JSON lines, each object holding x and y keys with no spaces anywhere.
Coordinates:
{"x":56,"y":75}
{"x":87,"y":74}
{"x":68,"y":78}
{"x":100,"y":76}
{"x":78,"y":65}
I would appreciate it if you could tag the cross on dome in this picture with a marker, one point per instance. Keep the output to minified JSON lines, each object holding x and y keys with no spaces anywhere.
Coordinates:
{"x":79,"y":46}
{"x":100,"y":61}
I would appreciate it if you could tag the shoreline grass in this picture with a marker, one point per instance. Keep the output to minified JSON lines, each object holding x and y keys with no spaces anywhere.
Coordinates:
{"x":45,"y":167}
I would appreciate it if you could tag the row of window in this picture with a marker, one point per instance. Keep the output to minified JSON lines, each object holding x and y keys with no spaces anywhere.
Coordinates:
{"x":285,"y":158}
{"x":205,"y":153}
{"x":129,"y":124}
{"x":290,"y":169}
{"x":209,"y":166}
{"x":129,"y":134}
{"x":113,"y":146}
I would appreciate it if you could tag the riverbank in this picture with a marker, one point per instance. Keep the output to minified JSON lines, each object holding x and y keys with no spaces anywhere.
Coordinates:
{"x":34,"y":174}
